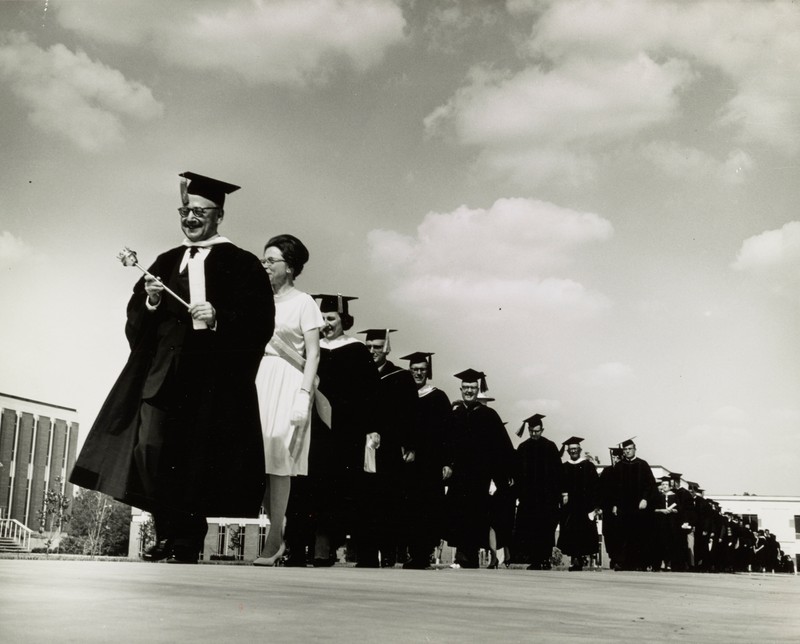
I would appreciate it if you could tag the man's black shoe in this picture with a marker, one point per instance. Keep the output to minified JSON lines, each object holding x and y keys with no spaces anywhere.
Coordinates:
{"x":182,"y":555}
{"x":324,"y":563}
{"x":415,"y":564}
{"x":158,"y":551}
{"x":295,"y":561}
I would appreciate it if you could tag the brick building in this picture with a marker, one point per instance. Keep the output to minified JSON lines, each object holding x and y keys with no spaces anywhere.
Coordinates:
{"x":38,"y":444}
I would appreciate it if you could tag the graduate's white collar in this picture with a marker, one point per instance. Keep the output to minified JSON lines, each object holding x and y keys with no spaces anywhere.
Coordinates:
{"x":337,"y":342}
{"x":580,"y":460}
{"x":425,"y":390}
{"x":206,"y":243}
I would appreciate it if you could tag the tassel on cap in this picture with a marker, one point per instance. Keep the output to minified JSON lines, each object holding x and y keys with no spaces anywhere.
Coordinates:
{"x":334,"y":303}
{"x":532,"y":421}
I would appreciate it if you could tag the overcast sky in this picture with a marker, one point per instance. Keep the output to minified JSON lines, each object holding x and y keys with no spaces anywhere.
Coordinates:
{"x":595,"y":203}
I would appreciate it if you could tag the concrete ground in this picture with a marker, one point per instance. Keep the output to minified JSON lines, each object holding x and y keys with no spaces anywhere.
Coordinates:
{"x":130,"y":601}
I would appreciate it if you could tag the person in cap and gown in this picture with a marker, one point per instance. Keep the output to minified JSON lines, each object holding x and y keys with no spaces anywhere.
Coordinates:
{"x":502,"y":511}
{"x":666,"y":527}
{"x":426,"y":475}
{"x":179,"y":435}
{"x":634,"y":494}
{"x":322,"y":505}
{"x":682,"y":558}
{"x":393,"y":438}
{"x":539,"y":485}
{"x":285,"y":384}
{"x":482,"y":452}
{"x":578,"y":532}
{"x":611,"y":538}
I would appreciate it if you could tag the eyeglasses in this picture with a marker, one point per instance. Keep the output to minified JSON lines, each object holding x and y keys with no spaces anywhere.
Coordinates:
{"x":198,"y":211}
{"x":271,"y":261}
{"x":375,"y":348}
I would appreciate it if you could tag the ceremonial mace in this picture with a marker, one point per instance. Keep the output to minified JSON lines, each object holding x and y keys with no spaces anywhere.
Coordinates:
{"x":128,"y":258}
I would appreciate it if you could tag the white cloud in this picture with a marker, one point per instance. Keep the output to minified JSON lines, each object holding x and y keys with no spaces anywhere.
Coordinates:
{"x":684,"y":162}
{"x":602,"y":74}
{"x":579,"y":101}
{"x":266,"y":41}
{"x":71,"y":95}
{"x":12,"y":249}
{"x":776,"y":252}
{"x":500,"y":262}
{"x":526,"y":6}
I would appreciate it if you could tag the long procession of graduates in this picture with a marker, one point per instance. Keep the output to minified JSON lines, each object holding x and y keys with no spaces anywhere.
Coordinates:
{"x":244,"y":394}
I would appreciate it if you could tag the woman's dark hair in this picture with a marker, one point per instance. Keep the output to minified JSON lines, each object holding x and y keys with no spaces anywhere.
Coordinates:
{"x":347,"y":321}
{"x":293,"y":250}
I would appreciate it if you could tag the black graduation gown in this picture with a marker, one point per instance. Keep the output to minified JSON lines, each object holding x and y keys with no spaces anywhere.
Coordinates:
{"x":397,"y":418}
{"x":538,"y":482}
{"x":611,"y":538}
{"x":324,"y":500}
{"x":633,"y":481}
{"x":482,"y":452}
{"x":578,"y":533}
{"x":380,"y":493}
{"x":666,"y":531}
{"x":423,"y":487}
{"x":185,"y":403}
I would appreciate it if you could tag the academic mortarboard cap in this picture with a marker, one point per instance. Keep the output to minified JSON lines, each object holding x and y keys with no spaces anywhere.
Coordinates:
{"x":212,"y":189}
{"x":573,"y":440}
{"x":627,"y":443}
{"x":420,"y":356}
{"x":675,"y":476}
{"x":615,"y":451}
{"x":334,"y":303}
{"x":471,"y":375}
{"x":377,"y":334}
{"x":666,"y":478}
{"x":531,"y":421}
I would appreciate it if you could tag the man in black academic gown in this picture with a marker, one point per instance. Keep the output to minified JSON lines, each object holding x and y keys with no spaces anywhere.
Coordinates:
{"x":539,"y":484}
{"x":482,"y":453}
{"x":611,"y":538}
{"x":179,"y":435}
{"x":578,"y":532}
{"x":426,"y":475}
{"x":682,"y":560}
{"x":634,"y":494}
{"x":394,"y":436}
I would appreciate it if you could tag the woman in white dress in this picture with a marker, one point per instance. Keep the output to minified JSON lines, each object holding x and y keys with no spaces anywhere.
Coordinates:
{"x":285,"y":384}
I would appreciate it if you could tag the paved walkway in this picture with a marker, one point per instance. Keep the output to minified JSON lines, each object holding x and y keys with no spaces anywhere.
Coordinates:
{"x":107,"y":601}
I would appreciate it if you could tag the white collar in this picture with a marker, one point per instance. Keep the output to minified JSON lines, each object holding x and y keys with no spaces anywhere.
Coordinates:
{"x":207,"y":243}
{"x":424,"y":391}
{"x":580,"y":460}
{"x":341,"y":341}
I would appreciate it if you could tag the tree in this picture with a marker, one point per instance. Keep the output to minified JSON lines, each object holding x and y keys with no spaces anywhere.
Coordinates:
{"x":53,"y":513}
{"x":235,"y":539}
{"x":99,"y":525}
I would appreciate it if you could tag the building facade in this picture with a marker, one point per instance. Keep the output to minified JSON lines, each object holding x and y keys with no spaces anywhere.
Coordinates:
{"x":38,"y":447}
